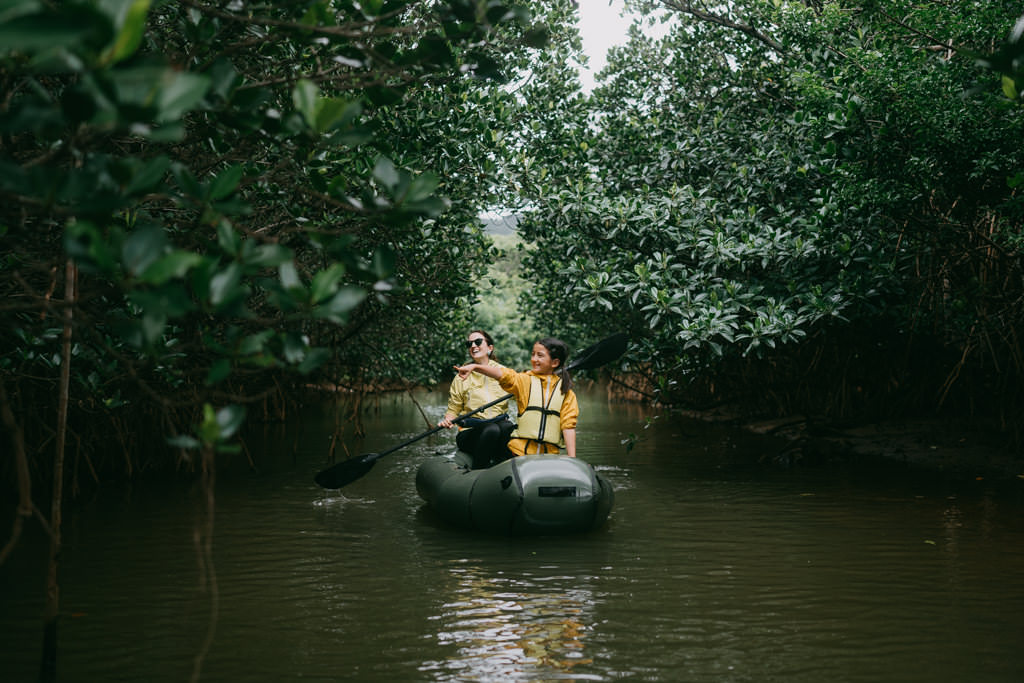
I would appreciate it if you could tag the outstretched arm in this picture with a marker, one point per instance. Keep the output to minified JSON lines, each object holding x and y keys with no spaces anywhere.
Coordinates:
{"x":489,"y":370}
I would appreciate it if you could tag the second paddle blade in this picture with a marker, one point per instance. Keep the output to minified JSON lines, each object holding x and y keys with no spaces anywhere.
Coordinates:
{"x":346,"y":471}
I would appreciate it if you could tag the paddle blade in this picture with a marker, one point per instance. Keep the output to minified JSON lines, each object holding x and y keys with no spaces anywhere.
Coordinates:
{"x":345,"y":472}
{"x":601,"y":353}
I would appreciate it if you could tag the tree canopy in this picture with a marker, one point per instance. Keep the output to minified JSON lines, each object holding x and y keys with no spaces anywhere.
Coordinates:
{"x":221,"y":204}
{"x":208,"y":210}
{"x":799,"y":206}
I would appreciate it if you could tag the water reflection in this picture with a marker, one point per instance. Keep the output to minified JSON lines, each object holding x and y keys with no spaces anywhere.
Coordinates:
{"x":509,"y":627}
{"x":713,"y":568}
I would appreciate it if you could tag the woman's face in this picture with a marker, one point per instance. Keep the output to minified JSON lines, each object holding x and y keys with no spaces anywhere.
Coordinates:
{"x":479,"y":349}
{"x":541,"y":361}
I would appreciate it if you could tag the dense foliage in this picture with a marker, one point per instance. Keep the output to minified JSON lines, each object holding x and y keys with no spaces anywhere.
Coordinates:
{"x":807,"y":206}
{"x":801,"y":206}
{"x":208,"y":208}
{"x":216,"y":204}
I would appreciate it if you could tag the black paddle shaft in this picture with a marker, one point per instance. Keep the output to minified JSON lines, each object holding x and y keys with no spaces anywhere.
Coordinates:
{"x":435,"y":430}
{"x":350,"y":469}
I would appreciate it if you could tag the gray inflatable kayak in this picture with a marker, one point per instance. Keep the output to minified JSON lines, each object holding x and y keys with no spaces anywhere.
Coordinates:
{"x":528,"y":495}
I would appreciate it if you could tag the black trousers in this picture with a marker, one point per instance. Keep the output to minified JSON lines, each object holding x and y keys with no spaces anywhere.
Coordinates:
{"x":486,"y":442}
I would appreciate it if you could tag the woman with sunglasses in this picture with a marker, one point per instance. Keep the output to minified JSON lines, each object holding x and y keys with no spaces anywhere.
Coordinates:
{"x":484,"y":435}
{"x":548,"y":409}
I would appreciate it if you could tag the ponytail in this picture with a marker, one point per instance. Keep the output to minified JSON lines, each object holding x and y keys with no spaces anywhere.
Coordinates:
{"x":559,"y":350}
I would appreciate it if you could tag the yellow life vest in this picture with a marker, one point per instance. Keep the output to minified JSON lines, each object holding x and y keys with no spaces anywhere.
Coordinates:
{"x":540,"y":421}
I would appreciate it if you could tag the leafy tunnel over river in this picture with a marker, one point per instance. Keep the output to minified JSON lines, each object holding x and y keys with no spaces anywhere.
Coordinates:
{"x":806,"y":214}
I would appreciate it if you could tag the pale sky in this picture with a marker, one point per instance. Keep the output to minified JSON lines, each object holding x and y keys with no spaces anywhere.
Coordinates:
{"x":601,"y":27}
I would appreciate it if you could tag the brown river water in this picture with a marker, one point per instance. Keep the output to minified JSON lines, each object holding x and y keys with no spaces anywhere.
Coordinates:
{"x":716,"y":565}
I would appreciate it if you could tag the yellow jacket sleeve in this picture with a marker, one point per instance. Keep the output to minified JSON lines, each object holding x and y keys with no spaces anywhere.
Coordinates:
{"x":570,"y":411}
{"x":457,"y":397}
{"x":517,"y":384}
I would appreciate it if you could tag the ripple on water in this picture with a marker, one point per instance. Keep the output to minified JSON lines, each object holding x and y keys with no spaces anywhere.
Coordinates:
{"x":710,"y":569}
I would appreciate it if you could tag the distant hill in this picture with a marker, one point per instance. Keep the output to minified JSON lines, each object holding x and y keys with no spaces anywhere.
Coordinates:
{"x":500,"y":225}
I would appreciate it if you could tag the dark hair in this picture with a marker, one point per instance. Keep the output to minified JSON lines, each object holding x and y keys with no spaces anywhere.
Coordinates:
{"x":490,"y":342}
{"x":559,"y":350}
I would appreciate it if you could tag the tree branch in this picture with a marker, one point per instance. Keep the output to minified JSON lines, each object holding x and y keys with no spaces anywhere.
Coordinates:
{"x":25,"y":506}
{"x":687,"y":7}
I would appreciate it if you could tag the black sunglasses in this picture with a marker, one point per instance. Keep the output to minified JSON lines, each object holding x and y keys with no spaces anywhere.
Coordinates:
{"x":475,"y":342}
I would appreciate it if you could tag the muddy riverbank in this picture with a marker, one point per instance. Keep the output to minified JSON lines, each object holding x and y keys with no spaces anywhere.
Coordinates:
{"x":955,"y":449}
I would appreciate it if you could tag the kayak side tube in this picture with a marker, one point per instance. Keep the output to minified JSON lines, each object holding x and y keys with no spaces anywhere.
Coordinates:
{"x":536,"y":494}
{"x":560,"y":495}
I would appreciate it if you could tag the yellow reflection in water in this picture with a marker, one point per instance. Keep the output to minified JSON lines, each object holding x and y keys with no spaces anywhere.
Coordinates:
{"x":511,"y":627}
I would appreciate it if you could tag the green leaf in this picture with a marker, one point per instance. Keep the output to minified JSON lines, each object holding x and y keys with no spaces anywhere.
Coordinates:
{"x":15,"y":179}
{"x":432,"y":49}
{"x":229,"y":420}
{"x":422,"y":187}
{"x":153,"y":325}
{"x":187,"y":181}
{"x":294,"y":347}
{"x":383,"y":263}
{"x":220,"y":425}
{"x":290,"y":276}
{"x":12,"y":9}
{"x":201,"y":275}
{"x":305,"y":96}
{"x":335,"y":112}
{"x":84,"y":242}
{"x":325,"y":283}
{"x":229,"y":240}
{"x":225,"y":286}
{"x":178,"y":93}
{"x":337,"y":308}
{"x":383,"y":96}
{"x":173,"y":265}
{"x":130,"y":27}
{"x":226,"y":182}
{"x":371,"y":8}
{"x":148,"y":175}
{"x":208,"y":430}
{"x":432,"y":206}
{"x":218,"y":371}
{"x":255,"y":343}
{"x":385,"y":173}
{"x":315,"y":357}
{"x":169,"y":301}
{"x":1010,"y":87}
{"x":351,"y":136}
{"x":270,"y":256}
{"x":43,"y":30}
{"x":142,"y":248}
{"x":169,"y":132}
{"x":537,"y":37}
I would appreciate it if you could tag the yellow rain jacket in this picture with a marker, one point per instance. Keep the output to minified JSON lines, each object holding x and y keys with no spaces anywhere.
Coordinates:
{"x":474,"y":391}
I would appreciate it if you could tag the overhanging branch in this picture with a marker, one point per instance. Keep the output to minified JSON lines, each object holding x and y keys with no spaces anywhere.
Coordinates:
{"x":702,"y":14}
